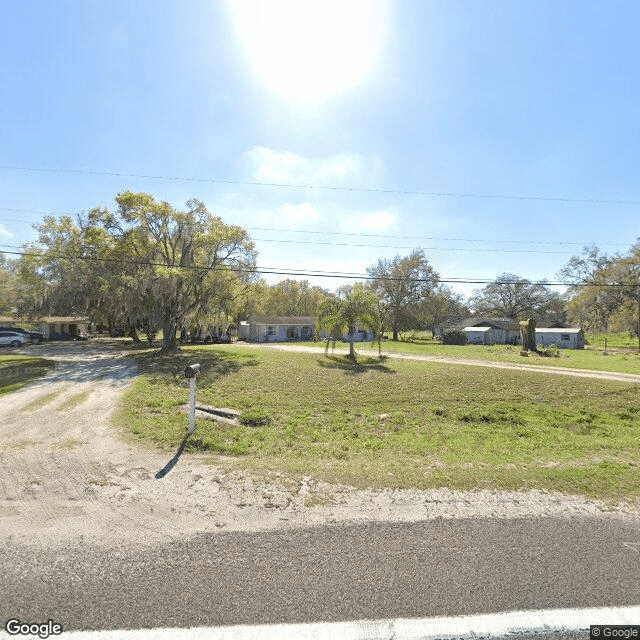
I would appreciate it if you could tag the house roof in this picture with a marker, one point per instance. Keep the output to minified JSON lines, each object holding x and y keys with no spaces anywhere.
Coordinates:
{"x":54,"y":319}
{"x":480,"y":329}
{"x":288,"y":320}
{"x":498,"y":323}
{"x":559,"y":330}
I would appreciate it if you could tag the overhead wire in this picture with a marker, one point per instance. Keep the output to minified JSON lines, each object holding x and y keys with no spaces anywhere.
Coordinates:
{"x":308,"y":273}
{"x":418,"y":192}
{"x":376,"y":235}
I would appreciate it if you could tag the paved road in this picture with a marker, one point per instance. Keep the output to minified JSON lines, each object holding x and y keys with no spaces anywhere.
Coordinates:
{"x":372,"y":571}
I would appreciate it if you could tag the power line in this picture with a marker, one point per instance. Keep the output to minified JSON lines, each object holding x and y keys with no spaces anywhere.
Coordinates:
{"x":308,"y":273}
{"x":386,"y":246}
{"x":415,"y":192}
{"x":373,"y":235}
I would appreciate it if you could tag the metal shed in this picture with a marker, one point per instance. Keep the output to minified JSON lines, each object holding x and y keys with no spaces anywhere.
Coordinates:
{"x":479,"y":335}
{"x":564,"y":338}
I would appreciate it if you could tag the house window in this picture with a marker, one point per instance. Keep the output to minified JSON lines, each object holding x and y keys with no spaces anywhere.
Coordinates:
{"x":565,"y":336}
{"x":270,"y":330}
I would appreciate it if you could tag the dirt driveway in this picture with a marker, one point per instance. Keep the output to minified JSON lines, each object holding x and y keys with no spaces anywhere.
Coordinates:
{"x":66,"y":476}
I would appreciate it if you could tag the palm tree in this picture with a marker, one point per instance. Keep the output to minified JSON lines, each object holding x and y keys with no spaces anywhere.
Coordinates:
{"x":353,"y":305}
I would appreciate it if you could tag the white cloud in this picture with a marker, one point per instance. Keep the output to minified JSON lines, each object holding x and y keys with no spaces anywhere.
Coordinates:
{"x":5,"y":232}
{"x":269,"y":165}
{"x":291,"y":216}
{"x":298,"y":215}
{"x":379,"y":220}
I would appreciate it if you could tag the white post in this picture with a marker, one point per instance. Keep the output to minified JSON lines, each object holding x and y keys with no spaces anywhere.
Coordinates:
{"x":192,"y":406}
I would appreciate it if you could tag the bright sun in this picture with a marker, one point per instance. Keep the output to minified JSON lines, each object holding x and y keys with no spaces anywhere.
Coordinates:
{"x":310,"y":50}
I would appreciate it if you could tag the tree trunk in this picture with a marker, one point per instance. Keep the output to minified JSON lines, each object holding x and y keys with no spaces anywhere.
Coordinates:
{"x":351,"y":330}
{"x":395,"y":332}
{"x":528,"y":335}
{"x":169,"y":337}
{"x":133,"y":334}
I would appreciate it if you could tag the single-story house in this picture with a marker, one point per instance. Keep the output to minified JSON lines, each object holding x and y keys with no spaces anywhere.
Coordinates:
{"x":278,"y":328}
{"x":55,"y":327}
{"x":482,"y":330}
{"x":564,"y":338}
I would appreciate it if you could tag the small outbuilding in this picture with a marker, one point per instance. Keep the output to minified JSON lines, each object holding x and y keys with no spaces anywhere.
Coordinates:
{"x":479,"y":335}
{"x":564,"y":338}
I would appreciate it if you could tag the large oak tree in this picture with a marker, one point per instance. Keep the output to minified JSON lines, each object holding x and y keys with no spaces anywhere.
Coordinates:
{"x":145,"y":262}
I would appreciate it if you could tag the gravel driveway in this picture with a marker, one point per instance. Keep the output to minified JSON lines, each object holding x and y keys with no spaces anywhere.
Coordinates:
{"x":66,"y":475}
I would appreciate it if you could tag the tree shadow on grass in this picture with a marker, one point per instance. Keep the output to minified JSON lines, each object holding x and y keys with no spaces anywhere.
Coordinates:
{"x":214,"y":365}
{"x":362,"y":364}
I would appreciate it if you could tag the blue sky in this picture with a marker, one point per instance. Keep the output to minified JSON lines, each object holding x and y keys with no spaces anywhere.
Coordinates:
{"x":359,"y":100}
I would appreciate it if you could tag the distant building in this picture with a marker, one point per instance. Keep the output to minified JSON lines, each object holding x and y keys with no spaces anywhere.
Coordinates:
{"x":278,"y":329}
{"x":564,"y":338}
{"x":55,"y":327}
{"x":482,"y":330}
{"x":507,"y":331}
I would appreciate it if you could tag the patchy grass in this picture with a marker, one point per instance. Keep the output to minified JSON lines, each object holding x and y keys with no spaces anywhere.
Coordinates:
{"x":16,"y":371}
{"x":74,"y":401}
{"x":19,"y":445}
{"x":590,"y":358}
{"x":397,"y":423}
{"x":67,"y":445}
{"x":42,"y":401}
{"x":614,"y":341}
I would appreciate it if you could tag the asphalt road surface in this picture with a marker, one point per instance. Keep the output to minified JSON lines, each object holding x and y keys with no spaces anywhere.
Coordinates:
{"x":333,"y":573}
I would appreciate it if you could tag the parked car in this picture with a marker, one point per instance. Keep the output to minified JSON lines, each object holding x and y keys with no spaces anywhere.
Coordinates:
{"x":13,"y":338}
{"x":34,"y":336}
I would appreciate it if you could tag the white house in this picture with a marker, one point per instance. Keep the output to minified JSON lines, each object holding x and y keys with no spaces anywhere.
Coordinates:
{"x":278,"y":328}
{"x":564,"y":338}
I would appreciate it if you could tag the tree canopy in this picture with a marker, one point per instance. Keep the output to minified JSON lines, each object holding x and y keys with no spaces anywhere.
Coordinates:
{"x":353,"y":305}
{"x":512,"y":296}
{"x":145,"y":262}
{"x":605,"y":290}
{"x":405,"y":285}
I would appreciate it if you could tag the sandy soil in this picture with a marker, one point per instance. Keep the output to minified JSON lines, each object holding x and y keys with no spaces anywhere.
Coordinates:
{"x":66,"y":476}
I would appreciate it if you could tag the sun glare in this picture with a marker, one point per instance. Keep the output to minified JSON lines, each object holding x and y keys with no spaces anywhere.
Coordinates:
{"x":309,"y":50}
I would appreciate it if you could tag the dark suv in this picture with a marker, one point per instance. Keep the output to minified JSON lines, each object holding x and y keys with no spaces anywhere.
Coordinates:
{"x":36,"y":337}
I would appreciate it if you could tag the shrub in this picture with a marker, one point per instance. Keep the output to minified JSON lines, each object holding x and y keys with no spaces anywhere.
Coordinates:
{"x":552,"y":351}
{"x":454,"y":336}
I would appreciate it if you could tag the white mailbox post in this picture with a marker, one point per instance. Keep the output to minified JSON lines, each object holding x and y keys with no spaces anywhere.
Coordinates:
{"x":192,"y":372}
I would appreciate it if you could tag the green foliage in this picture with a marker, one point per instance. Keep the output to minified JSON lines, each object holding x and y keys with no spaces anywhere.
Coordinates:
{"x":405,"y":285}
{"x":550,"y":351}
{"x":511,"y":296}
{"x":353,"y":306}
{"x":454,"y":336}
{"x":145,"y":264}
{"x":611,"y":298}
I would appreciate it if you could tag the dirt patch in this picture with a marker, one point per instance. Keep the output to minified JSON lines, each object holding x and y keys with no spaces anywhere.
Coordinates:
{"x":66,"y":475}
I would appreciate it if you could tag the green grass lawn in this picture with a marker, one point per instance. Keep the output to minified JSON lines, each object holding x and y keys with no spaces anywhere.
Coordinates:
{"x":17,"y":370}
{"x":616,"y":360}
{"x":396,"y":423}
